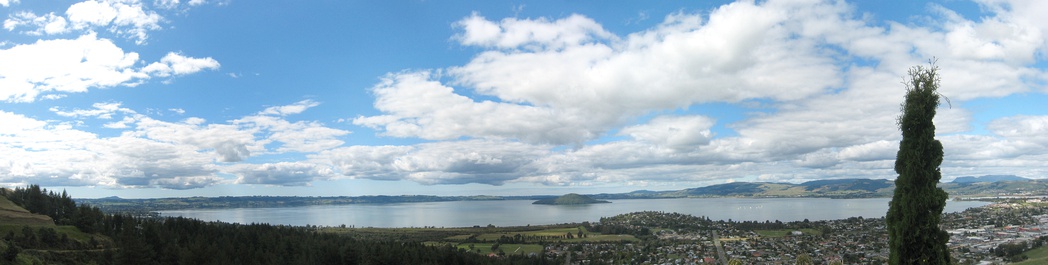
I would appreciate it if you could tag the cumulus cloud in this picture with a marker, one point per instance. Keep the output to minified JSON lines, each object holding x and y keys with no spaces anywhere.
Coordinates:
{"x":177,"y":64}
{"x":149,"y":152}
{"x":568,"y":81}
{"x":127,"y":18}
{"x":455,"y":162}
{"x":47,"y":24}
{"x":54,"y":67}
{"x":1025,"y":128}
{"x":419,"y":106}
{"x":299,"y":136}
{"x":534,"y":34}
{"x":282,"y":173}
{"x":64,"y":66}
{"x":542,"y":100}
{"x":673,"y":132}
{"x":590,"y":87}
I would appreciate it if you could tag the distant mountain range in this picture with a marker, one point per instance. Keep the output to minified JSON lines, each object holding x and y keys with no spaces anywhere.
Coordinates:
{"x":989,"y":178}
{"x":983,"y":186}
{"x":990,"y":185}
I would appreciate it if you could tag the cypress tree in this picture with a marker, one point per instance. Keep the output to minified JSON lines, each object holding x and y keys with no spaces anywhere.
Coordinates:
{"x":914,"y":236}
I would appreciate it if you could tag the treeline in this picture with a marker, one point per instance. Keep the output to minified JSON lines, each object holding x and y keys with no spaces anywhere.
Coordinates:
{"x":60,"y":207}
{"x":638,"y":223}
{"x":190,"y":241}
{"x":1013,"y":251}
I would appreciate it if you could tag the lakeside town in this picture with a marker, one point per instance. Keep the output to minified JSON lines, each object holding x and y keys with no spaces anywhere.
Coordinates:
{"x":994,"y":234}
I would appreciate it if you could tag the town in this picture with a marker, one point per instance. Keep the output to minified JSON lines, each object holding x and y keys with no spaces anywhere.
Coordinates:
{"x":994,"y":234}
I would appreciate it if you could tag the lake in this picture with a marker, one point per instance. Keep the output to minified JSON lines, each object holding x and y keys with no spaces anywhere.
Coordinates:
{"x":522,"y":212}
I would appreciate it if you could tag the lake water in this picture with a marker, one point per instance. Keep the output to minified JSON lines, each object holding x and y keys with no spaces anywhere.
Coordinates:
{"x":522,"y":212}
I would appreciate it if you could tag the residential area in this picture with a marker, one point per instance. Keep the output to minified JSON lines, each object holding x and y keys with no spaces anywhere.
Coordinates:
{"x":994,"y":234}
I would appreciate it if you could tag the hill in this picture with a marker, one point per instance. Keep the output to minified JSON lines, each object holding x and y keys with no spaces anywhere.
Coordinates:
{"x":11,"y":214}
{"x":569,"y":199}
{"x":989,"y":178}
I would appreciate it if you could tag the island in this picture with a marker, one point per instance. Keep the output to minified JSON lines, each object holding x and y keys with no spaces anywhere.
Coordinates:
{"x":569,"y":199}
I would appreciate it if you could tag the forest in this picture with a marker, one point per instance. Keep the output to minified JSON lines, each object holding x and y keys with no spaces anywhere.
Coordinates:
{"x":82,"y":234}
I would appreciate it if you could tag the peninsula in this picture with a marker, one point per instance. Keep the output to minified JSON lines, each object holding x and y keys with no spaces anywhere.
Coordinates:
{"x":570,"y":199}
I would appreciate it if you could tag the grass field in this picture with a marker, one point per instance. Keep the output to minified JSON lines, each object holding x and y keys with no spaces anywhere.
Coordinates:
{"x":11,"y":214}
{"x":785,"y":232}
{"x":552,"y":232}
{"x":7,"y":205}
{"x":1037,"y":256}
{"x":68,"y":230}
{"x":509,"y":249}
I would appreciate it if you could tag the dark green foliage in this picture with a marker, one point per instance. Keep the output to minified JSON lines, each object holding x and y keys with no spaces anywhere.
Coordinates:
{"x":189,"y":241}
{"x":11,"y":252}
{"x":569,"y":199}
{"x":1011,"y":251}
{"x":916,"y":207}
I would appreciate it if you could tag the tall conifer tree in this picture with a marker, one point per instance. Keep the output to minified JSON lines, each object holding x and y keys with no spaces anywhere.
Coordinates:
{"x":916,"y":207}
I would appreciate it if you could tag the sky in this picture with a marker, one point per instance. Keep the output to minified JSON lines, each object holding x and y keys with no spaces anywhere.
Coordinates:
{"x":169,"y":98}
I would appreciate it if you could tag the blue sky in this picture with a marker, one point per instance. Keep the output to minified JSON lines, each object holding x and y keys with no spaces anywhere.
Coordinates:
{"x":175,"y":98}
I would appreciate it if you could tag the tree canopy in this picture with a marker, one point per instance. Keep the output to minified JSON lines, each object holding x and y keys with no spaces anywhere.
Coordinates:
{"x":916,"y":207}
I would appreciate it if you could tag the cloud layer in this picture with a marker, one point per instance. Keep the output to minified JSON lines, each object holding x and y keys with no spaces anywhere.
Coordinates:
{"x":568,"y":81}
{"x":556,"y":101}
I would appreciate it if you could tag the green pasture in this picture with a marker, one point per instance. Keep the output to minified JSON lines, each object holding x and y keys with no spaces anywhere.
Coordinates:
{"x":509,"y":249}
{"x":551,"y":232}
{"x":785,"y":232}
{"x":1036,"y":256}
{"x":68,"y":230}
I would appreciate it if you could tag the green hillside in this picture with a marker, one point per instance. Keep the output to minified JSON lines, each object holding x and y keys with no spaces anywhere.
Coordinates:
{"x":569,"y":199}
{"x":11,"y":214}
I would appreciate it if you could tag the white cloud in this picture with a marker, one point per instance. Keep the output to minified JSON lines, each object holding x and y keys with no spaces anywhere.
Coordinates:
{"x":455,"y":162}
{"x":296,"y":108}
{"x":300,"y":136}
{"x":64,"y":66}
{"x":587,"y":87}
{"x":419,"y":106}
{"x":128,"y":18}
{"x":282,"y":173}
{"x":821,"y":82}
{"x":153,"y":153}
{"x":101,"y":111}
{"x":874,"y":151}
{"x":49,"y":68}
{"x":673,"y":132}
{"x":826,"y":80}
{"x":1024,"y":128}
{"x":537,"y":34}
{"x":7,"y":3}
{"x":177,"y":64}
{"x":49,"y":23}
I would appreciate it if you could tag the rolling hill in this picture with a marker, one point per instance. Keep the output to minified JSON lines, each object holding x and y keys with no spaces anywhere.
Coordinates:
{"x":989,"y":178}
{"x":11,"y":214}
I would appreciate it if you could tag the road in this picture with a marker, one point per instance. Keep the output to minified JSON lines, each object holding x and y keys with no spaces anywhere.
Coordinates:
{"x":720,"y":250}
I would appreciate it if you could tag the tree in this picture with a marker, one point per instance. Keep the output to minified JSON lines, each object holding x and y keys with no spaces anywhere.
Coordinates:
{"x":916,"y":207}
{"x":804,"y":259}
{"x":11,"y":252}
